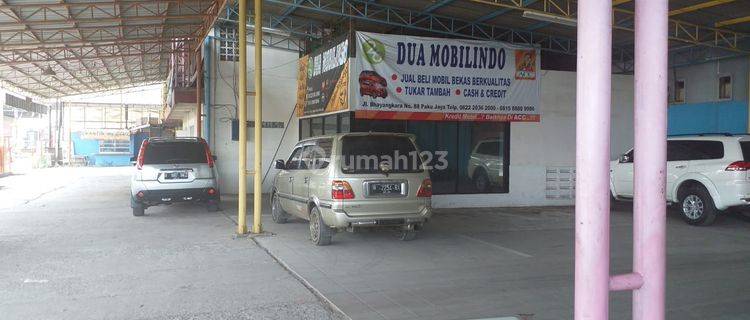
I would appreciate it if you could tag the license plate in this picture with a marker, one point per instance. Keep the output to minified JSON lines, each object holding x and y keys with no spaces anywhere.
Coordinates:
{"x":175,"y":175}
{"x":385,"y":189}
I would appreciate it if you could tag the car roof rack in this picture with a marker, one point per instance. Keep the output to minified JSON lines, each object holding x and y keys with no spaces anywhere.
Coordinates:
{"x":726,"y":134}
{"x":173,"y":139}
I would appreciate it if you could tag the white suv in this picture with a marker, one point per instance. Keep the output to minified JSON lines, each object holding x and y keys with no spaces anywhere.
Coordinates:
{"x":706,"y":174}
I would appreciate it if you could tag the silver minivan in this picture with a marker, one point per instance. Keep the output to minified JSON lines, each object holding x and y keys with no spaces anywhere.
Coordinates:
{"x":349,"y":181}
{"x":174,"y":170}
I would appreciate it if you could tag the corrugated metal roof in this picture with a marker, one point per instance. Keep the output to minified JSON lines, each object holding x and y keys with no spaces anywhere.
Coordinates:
{"x":54,"y":48}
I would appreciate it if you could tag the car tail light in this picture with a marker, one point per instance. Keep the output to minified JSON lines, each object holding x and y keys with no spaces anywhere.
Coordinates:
{"x":425,"y":190}
{"x":341,"y":190}
{"x":209,"y":157}
{"x":141,"y":155}
{"x":738,"y":166}
{"x":211,"y":191}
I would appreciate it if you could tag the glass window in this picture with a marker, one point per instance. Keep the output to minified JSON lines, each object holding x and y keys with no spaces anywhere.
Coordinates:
{"x":725,"y":87}
{"x":293,"y":162}
{"x":464,"y":157}
{"x":228,"y":45}
{"x":316,"y":126}
{"x":372,"y":153}
{"x":174,"y":152}
{"x":679,"y":91}
{"x":745,"y":150}
{"x":322,"y":153}
{"x":330,"y":125}
{"x":304,"y":128}
{"x":367,"y":125}
{"x":345,"y":122}
{"x":680,"y":150}
{"x":481,"y":158}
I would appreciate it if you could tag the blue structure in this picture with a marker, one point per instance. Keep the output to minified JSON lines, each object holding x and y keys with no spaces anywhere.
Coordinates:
{"x":90,"y":149}
{"x":709,"y":117}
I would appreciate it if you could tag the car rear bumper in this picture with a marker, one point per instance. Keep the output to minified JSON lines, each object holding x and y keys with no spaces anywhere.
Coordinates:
{"x":340,"y":219}
{"x":156,"y":197}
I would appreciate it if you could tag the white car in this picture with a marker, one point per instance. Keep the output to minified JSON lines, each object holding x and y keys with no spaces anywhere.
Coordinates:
{"x":706,"y":174}
{"x":486,"y":164}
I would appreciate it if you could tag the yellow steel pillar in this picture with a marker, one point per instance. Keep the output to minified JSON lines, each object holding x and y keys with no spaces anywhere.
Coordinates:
{"x":242,"y":115}
{"x":258,"y":143}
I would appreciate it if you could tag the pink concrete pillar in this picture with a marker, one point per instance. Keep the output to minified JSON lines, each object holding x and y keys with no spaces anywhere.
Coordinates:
{"x":649,"y":207}
{"x":593,"y":93}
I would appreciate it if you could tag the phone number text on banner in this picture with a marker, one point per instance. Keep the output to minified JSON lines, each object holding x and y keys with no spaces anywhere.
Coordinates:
{"x":406,"y":74}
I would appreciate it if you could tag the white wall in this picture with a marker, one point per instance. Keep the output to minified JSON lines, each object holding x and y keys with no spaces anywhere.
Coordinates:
{"x":550,"y":143}
{"x":534,"y":146}
{"x":279,"y":98}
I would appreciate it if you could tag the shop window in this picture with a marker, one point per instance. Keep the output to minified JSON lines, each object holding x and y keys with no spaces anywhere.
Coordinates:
{"x":228,"y":45}
{"x":316,"y":126}
{"x":679,"y":91}
{"x":330,"y":124}
{"x":345,"y":122}
{"x":465,"y":157}
{"x":304,"y":129}
{"x":725,"y":87}
{"x":114,"y":146}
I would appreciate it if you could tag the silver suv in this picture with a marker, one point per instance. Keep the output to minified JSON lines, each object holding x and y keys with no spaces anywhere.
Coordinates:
{"x":174,"y":170}
{"x":350,"y":181}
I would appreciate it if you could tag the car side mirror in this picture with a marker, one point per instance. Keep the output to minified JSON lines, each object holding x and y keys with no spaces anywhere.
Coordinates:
{"x":624,"y":158}
{"x":214,"y":157}
{"x":132,"y":159}
{"x":280,"y":164}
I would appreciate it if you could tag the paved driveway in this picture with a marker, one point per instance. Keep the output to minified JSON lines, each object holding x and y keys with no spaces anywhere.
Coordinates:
{"x":71,"y":249}
{"x":483,"y":263}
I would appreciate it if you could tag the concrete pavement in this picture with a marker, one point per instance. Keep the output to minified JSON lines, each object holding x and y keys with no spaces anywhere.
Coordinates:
{"x":71,"y":249}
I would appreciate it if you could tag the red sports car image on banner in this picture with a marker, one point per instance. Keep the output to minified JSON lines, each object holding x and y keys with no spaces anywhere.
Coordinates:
{"x":372,"y":84}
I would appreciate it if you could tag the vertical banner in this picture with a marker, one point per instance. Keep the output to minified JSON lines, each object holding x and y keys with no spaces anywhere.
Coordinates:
{"x":421,"y":78}
{"x":323,"y":80}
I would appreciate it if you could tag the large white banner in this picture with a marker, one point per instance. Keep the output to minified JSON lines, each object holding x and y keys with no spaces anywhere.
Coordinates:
{"x":420,"y":78}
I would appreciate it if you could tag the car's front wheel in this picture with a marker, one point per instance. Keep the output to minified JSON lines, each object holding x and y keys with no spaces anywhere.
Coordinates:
{"x":320,"y":233}
{"x":481,"y":180}
{"x":697,"y":207}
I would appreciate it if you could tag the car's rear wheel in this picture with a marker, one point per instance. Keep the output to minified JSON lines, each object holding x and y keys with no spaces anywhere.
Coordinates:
{"x":277,"y":212}
{"x":320,"y":233}
{"x":697,"y":207}
{"x":139,"y":211}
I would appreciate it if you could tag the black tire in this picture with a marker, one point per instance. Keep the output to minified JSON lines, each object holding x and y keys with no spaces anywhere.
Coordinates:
{"x":139,"y":211}
{"x":213,"y":206}
{"x":481,"y":180}
{"x":697,"y":207}
{"x":320,"y":233}
{"x":277,"y":212}
{"x":407,"y":235}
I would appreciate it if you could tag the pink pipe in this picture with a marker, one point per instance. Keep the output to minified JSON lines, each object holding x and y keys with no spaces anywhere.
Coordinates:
{"x":628,"y":281}
{"x":649,"y":209}
{"x":593,"y":94}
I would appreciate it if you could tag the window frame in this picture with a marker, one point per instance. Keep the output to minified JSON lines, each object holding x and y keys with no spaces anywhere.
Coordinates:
{"x":684,"y":91}
{"x":731,"y":86}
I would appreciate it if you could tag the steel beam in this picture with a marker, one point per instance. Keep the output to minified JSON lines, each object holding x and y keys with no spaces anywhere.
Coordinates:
{"x":698,"y":6}
{"x":410,"y":19}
